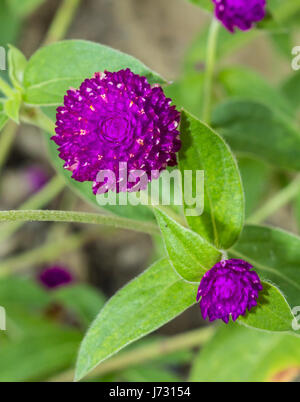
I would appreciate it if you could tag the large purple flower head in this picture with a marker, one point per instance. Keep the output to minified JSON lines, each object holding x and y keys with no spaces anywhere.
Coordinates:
{"x":55,"y":276}
{"x":239,"y":13}
{"x":228,"y":289}
{"x":112,"y":118}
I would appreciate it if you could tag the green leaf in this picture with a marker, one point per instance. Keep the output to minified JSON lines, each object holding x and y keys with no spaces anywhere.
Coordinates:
{"x":255,"y":176}
{"x":12,"y":106}
{"x":205,"y":4}
{"x":272,"y":312}
{"x":81,"y":299}
{"x":189,"y":253}
{"x":253,"y":128}
{"x":247,"y":84}
{"x":34,"y":356}
{"x":291,"y":89}
{"x":17,"y":63}
{"x":142,"y":306}
{"x":203,"y":149}
{"x":55,"y":68}
{"x":238,"y":354}
{"x":3,"y":116}
{"x":24,"y":8}
{"x":275,"y":255}
{"x":15,"y":291}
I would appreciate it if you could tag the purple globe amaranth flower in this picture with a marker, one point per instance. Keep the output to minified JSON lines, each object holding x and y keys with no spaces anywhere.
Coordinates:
{"x":55,"y":276}
{"x":239,"y":13}
{"x":112,"y":118}
{"x":228,"y":289}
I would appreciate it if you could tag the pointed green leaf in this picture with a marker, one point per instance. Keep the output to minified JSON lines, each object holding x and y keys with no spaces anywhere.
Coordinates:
{"x":53,"y":69}
{"x":272,"y":312}
{"x":16,"y":64}
{"x":203,"y":149}
{"x":189,"y":253}
{"x":145,"y":304}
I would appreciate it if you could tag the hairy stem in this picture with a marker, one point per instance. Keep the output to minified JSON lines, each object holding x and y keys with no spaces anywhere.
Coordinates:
{"x":78,"y":217}
{"x":61,"y":21}
{"x":279,"y":200}
{"x":209,"y":70}
{"x":146,"y":353}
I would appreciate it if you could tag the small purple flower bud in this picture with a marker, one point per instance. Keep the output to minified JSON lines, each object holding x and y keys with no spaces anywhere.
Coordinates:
{"x":228,"y":289}
{"x":112,"y":118}
{"x":239,"y":13}
{"x":55,"y":276}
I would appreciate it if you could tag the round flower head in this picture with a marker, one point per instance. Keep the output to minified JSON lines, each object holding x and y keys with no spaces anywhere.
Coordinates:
{"x":113,"y":118}
{"x":239,"y":13}
{"x":228,"y":289}
{"x":55,"y":276}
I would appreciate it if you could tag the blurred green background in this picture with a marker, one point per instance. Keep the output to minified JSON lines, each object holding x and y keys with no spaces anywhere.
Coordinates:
{"x":44,"y":328}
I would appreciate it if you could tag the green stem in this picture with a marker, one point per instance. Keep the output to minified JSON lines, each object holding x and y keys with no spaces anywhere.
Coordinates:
{"x":38,"y":200}
{"x":6,"y":141}
{"x":279,"y":200}
{"x":5,"y":88}
{"x":209,"y":70}
{"x":78,"y":217}
{"x":61,"y":21}
{"x":144,"y":354}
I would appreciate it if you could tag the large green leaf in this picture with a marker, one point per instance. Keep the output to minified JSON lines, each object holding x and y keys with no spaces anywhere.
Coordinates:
{"x":239,"y":354}
{"x":275,"y":255}
{"x":189,"y":253}
{"x":253,"y":128}
{"x":145,"y":304}
{"x":248,"y":84}
{"x":291,"y":89}
{"x":223,"y":215}
{"x":55,"y":68}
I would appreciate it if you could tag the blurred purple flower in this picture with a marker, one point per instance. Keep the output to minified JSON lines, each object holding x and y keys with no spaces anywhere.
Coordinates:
{"x":55,"y":276}
{"x":239,"y":13}
{"x":228,"y":289}
{"x":116,"y":117}
{"x":36,"y":178}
